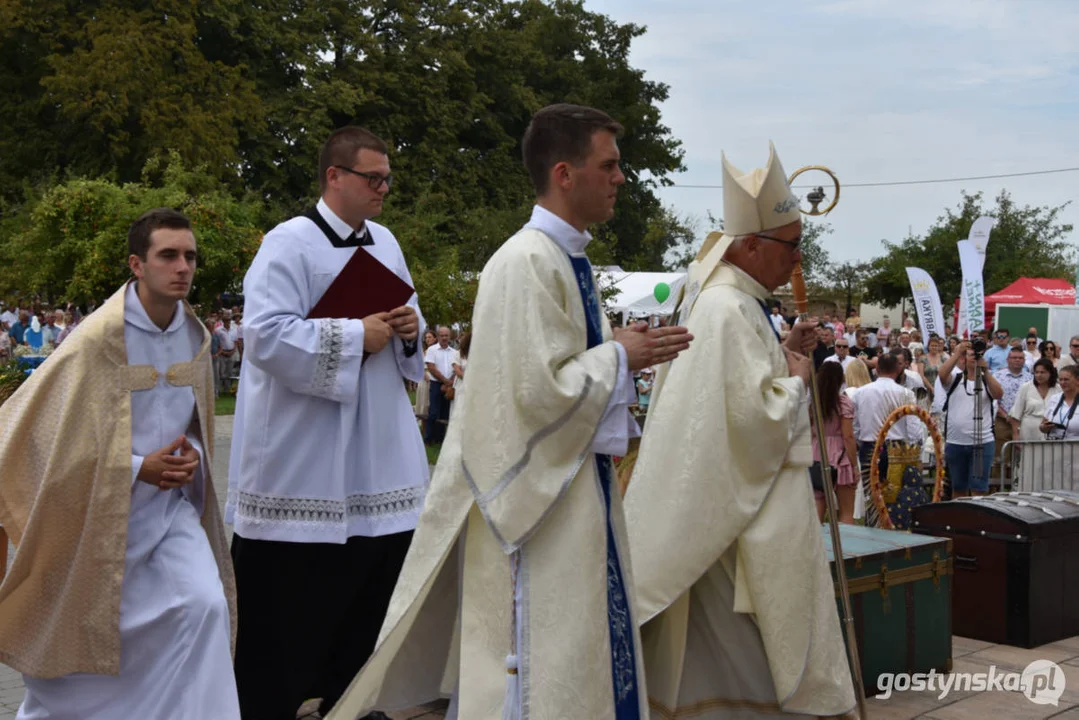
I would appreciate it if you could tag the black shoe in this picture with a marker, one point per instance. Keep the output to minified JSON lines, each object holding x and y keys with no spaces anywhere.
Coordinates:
{"x":376,"y":716}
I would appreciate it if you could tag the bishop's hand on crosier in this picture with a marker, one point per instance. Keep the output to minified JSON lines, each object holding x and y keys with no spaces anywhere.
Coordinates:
{"x":646,"y":346}
{"x":803,"y":337}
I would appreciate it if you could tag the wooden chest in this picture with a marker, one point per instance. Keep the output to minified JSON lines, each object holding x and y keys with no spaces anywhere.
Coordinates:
{"x":900,"y":588}
{"x":1016,"y":564}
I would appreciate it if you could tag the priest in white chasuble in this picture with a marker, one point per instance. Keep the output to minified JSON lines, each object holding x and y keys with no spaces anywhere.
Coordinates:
{"x":120,"y":599}
{"x":516,"y":597}
{"x":734,"y":588}
{"x":328,"y":471}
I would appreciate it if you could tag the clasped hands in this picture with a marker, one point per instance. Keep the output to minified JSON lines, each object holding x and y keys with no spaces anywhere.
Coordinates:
{"x":167,"y":470}
{"x":647,"y":346}
{"x":379,"y":329}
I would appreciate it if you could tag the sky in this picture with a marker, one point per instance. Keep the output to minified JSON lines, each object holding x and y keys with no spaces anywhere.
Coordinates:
{"x":877,"y":90}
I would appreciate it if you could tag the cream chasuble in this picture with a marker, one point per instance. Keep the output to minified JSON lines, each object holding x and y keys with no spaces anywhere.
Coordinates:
{"x":518,"y":495}
{"x":732,"y":580}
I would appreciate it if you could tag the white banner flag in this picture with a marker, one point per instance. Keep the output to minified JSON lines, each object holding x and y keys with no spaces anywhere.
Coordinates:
{"x":927,"y":303}
{"x":979,"y":234}
{"x":973,"y":291}
{"x":979,"y":238}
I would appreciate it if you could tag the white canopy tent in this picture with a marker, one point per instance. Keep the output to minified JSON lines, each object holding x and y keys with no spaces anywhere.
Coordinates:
{"x":636,"y":292}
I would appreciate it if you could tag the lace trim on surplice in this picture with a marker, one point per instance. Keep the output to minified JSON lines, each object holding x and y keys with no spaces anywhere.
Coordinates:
{"x":331,"y":341}
{"x":316,"y":511}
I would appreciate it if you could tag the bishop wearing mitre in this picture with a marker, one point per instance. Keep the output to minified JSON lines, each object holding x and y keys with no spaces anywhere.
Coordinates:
{"x":734,"y":591}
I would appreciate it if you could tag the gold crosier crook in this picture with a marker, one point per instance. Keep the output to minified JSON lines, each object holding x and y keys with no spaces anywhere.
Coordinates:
{"x":816,"y":196}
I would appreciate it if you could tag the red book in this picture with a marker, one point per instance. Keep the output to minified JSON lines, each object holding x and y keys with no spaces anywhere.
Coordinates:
{"x":363,"y":287}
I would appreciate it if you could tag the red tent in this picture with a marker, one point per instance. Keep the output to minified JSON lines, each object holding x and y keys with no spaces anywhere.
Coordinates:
{"x":1032,"y":291}
{"x":1028,"y":291}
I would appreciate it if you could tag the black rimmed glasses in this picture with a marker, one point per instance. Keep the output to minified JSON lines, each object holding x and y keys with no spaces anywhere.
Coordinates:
{"x":374,"y":180}
{"x":795,"y":243}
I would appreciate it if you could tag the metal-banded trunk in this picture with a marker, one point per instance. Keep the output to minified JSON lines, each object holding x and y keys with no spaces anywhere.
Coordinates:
{"x":901,"y":594}
{"x":1016,"y":564}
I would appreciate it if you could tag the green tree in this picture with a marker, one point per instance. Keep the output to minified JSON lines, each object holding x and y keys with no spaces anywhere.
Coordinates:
{"x":848,"y":283}
{"x":451,"y":86}
{"x":816,"y":261}
{"x":1026,"y":241}
{"x":98,"y":88}
{"x":250,"y":90}
{"x":71,"y":244}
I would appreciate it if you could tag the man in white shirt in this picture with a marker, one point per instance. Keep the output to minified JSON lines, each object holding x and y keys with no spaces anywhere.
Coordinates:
{"x":875,"y":402}
{"x":899,"y":462}
{"x":439,"y":360}
{"x":842,"y":354}
{"x":969,"y":446}
{"x":1011,"y":378}
{"x":328,"y":472}
{"x":229,"y":338}
{"x":777,"y":319}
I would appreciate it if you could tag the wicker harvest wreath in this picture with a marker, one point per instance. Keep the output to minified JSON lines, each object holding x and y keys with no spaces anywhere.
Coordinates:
{"x":875,"y":490}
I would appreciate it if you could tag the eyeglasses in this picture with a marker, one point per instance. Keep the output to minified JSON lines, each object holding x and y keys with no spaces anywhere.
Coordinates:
{"x":1001,"y":337}
{"x":374,"y":180}
{"x":795,"y":243}
{"x":1032,"y":342}
{"x":844,"y":347}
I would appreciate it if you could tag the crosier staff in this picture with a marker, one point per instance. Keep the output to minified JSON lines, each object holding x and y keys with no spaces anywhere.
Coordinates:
{"x":798,"y":289}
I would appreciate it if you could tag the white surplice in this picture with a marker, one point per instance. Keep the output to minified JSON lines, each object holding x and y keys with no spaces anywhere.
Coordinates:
{"x":175,"y":659}
{"x":517,"y":486}
{"x":324,"y":445}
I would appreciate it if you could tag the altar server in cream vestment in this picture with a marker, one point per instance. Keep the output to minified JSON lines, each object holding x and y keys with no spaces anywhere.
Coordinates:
{"x":328,"y":471}
{"x":733,"y":585}
{"x":118,"y":602}
{"x":516,"y":598}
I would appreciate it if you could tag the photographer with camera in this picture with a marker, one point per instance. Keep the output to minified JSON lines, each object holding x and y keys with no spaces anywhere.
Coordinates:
{"x":1061,"y":424}
{"x":1058,"y":424}
{"x":968,"y":427}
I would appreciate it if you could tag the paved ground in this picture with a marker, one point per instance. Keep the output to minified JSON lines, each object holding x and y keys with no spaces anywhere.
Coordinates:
{"x":968,"y":655}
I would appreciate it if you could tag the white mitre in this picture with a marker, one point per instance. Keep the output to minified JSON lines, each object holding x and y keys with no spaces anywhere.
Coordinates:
{"x":757,"y":201}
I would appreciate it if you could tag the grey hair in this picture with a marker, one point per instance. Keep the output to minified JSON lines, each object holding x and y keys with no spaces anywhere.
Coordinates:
{"x":1074,"y":338}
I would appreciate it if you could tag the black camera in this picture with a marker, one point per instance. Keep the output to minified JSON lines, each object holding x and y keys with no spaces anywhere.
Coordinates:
{"x":978,"y":346}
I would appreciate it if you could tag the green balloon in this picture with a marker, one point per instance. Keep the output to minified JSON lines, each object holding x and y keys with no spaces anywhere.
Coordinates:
{"x":662,"y":292}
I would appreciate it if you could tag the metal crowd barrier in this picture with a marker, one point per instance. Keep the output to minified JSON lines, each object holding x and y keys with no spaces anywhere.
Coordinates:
{"x":1034,"y":465}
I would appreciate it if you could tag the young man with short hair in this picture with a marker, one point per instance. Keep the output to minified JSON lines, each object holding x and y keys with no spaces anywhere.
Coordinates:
{"x":517,"y":594}
{"x":120,"y":600}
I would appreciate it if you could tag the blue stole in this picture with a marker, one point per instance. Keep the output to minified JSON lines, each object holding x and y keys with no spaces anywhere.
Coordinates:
{"x":619,"y":620}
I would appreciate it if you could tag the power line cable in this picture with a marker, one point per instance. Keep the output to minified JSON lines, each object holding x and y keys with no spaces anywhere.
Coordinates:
{"x":907,"y":182}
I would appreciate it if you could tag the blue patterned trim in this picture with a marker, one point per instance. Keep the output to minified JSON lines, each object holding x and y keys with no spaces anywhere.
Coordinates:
{"x":625,"y":686}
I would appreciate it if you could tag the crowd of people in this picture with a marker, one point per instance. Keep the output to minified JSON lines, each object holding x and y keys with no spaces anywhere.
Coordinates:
{"x":35,"y":331}
{"x":1021,"y":397}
